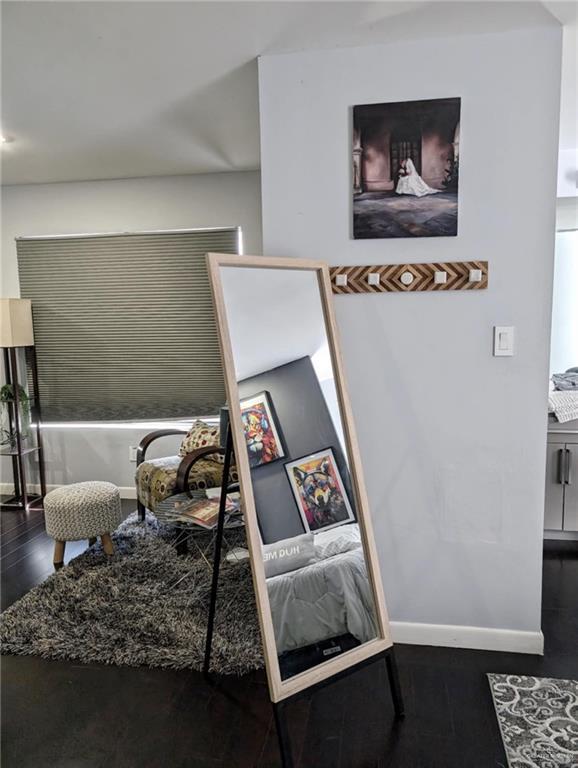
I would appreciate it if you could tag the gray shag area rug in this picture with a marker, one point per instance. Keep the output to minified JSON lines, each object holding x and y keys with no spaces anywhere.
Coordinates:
{"x":133,"y":609}
{"x":538,"y":718}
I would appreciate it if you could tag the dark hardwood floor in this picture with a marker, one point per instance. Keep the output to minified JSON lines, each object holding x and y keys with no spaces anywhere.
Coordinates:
{"x":65,"y":715}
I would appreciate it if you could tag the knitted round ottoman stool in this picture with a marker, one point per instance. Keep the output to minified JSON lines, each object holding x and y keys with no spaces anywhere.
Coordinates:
{"x":81,"y":511}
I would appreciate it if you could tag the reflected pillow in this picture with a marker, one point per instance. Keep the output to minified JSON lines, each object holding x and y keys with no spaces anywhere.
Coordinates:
{"x":288,"y":554}
{"x":200,"y":435}
{"x":342,"y":538}
{"x":565,"y":381}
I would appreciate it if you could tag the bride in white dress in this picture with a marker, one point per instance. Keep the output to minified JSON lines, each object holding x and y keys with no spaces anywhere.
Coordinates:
{"x":411,"y":183}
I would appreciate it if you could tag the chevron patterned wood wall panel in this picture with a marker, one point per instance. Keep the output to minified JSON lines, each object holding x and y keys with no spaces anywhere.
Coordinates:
{"x":459,"y":276}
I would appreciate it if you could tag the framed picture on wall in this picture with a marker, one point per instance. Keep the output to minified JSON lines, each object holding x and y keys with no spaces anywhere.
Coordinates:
{"x":406,"y":167}
{"x":319,"y":491}
{"x":261,"y":432}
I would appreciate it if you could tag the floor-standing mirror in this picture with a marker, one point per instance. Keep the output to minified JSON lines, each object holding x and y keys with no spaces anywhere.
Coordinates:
{"x":315,"y":570}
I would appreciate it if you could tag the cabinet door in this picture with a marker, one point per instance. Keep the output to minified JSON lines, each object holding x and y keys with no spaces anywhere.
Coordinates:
{"x":571,"y":488}
{"x":554,"y":510}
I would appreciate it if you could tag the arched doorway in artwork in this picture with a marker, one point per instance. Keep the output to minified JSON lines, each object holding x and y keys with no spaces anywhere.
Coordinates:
{"x":405,"y":145}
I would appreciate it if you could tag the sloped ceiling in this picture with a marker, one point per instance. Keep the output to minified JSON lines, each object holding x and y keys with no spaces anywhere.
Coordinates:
{"x":275,"y":316}
{"x":100,"y":90}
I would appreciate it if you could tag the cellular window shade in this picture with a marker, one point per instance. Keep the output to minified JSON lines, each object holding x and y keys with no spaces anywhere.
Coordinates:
{"x":124,"y":325}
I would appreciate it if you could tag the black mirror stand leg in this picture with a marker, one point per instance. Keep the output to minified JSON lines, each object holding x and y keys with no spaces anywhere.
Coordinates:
{"x":279,"y":706}
{"x":217,"y":553}
{"x":282,"y":734}
{"x":393,"y":676}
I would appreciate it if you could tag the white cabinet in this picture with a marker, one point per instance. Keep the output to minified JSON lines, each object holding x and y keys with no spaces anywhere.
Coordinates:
{"x":561,"y":503}
{"x":571,"y":490}
{"x":554,"y":509}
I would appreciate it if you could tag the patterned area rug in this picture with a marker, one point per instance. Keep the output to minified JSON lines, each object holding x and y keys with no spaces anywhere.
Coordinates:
{"x":146,"y":605}
{"x":538,"y":718}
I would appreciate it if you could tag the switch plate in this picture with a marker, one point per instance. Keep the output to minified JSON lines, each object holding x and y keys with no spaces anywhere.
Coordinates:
{"x":132,"y":452}
{"x":503,"y":340}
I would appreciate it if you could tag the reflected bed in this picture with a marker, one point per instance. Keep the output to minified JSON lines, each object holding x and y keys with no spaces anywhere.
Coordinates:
{"x":329,"y":598}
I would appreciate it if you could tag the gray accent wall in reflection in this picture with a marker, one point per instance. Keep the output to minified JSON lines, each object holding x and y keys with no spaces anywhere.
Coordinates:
{"x":306,"y":427}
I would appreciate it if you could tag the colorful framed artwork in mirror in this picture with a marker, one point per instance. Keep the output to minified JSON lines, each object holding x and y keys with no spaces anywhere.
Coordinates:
{"x":319,"y":491}
{"x":261,"y":432}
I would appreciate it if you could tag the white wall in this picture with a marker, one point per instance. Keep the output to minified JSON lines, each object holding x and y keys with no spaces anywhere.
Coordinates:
{"x":568,"y":157}
{"x":128,"y":205}
{"x":91,"y":452}
{"x":452,"y":439}
{"x":564,"y":345}
{"x":567,"y":213}
{"x":170,"y":202}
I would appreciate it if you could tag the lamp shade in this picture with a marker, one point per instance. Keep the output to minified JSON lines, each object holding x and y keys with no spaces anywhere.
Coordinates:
{"x":16,"y":323}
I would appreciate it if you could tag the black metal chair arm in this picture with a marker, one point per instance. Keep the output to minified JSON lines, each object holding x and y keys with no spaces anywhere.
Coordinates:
{"x":150,"y":438}
{"x":189,"y":462}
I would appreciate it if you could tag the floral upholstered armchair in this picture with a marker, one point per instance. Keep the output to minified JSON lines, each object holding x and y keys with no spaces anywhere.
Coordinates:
{"x":198,"y":465}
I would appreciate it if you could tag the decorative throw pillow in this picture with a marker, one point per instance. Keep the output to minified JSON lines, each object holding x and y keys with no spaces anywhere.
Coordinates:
{"x":200,"y":435}
{"x":288,"y":554}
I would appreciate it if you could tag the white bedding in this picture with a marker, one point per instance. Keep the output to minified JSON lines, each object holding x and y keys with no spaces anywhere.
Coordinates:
{"x":327,"y":598}
{"x":564,"y":405}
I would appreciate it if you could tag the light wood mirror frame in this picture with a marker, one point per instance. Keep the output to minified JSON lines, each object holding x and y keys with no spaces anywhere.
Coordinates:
{"x":281,"y":689}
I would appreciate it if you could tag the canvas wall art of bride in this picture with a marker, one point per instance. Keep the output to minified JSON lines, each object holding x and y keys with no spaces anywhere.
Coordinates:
{"x":406,"y":169}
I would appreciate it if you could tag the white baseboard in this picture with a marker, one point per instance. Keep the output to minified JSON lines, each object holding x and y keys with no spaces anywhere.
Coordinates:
{"x":477,"y":638}
{"x":127,"y":492}
{"x":414,"y":633}
{"x":7,"y":489}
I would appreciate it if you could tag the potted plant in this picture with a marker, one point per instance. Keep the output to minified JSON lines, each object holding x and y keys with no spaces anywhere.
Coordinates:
{"x":8,"y":435}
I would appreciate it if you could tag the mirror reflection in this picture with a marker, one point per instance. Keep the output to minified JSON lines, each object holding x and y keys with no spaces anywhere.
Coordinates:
{"x":319,"y":593}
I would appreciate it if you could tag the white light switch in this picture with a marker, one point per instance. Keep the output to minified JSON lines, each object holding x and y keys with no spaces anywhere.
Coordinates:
{"x":503,"y":340}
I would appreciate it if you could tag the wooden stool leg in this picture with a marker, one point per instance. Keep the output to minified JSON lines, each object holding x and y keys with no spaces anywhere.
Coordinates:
{"x":107,"y":544}
{"x":59,"y":547}
{"x":92,"y":541}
